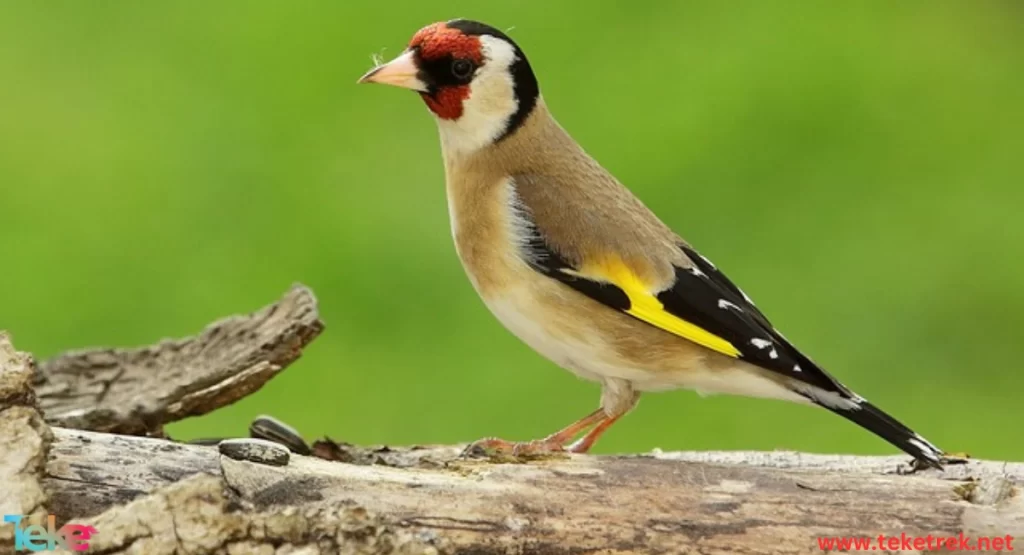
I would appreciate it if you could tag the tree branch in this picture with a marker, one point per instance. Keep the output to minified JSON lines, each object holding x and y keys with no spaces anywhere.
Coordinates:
{"x":153,"y":496}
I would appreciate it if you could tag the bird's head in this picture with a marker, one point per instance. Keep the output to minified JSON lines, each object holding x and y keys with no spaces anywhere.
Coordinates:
{"x":474,"y":78}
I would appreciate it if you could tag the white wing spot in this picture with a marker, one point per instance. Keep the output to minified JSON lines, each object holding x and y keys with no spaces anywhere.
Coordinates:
{"x":925,"y":447}
{"x":696,"y":271}
{"x":928,"y":443}
{"x":796,"y":368}
{"x":764,"y":344}
{"x":724,"y":305}
{"x":829,"y":399}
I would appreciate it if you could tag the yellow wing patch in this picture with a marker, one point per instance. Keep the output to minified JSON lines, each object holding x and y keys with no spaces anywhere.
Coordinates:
{"x":645,"y":306}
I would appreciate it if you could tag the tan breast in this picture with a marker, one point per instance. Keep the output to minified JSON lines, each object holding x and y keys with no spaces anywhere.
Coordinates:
{"x":483,"y":230}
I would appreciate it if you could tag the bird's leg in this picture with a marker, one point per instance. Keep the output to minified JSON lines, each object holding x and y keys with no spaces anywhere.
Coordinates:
{"x":583,"y":444}
{"x":619,"y":401}
{"x":553,"y":443}
{"x":617,"y":398}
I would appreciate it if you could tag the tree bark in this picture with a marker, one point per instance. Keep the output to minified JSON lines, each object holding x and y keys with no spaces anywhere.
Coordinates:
{"x":153,"y":496}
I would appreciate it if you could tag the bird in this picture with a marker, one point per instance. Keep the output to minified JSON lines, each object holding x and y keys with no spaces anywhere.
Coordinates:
{"x":576,"y":266}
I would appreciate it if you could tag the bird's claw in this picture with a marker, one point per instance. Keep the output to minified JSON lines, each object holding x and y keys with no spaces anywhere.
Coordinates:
{"x":946,"y":459}
{"x":492,"y":446}
{"x":537,"y":448}
{"x":487,"y":446}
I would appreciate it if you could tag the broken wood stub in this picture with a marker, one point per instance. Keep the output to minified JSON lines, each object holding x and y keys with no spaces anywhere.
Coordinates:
{"x":137,"y":391}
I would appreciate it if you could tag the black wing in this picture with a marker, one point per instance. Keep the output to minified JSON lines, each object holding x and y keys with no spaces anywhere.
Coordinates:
{"x":706,"y":297}
{"x":702,"y":296}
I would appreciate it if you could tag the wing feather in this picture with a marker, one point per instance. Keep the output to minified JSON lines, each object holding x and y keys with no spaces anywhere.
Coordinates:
{"x":702,"y":305}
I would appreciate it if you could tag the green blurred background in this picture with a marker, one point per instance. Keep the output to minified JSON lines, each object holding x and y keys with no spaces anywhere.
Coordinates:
{"x":857,"y":168}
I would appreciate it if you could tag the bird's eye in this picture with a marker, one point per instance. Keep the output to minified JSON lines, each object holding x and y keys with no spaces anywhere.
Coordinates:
{"x":462,"y":69}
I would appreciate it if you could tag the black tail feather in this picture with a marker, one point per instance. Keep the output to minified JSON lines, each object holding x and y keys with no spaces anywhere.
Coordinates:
{"x":888,"y":428}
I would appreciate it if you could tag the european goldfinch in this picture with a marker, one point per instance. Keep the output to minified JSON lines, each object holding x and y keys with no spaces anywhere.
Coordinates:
{"x":577,"y":267}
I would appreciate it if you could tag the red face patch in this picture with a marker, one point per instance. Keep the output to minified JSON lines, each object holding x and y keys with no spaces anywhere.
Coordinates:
{"x":438,"y":40}
{"x":447,"y":102}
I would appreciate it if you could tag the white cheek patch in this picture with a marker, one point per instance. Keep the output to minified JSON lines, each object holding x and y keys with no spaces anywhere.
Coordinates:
{"x":491,"y":102}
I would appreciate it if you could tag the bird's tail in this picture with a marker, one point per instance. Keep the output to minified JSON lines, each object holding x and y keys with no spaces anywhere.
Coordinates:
{"x":888,"y":428}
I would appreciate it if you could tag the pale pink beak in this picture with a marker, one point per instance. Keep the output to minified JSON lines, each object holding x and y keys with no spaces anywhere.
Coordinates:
{"x":400,"y":72}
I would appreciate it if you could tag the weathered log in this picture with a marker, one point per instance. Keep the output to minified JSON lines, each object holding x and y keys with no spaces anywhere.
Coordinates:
{"x":153,"y":496}
{"x":433,"y":498}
